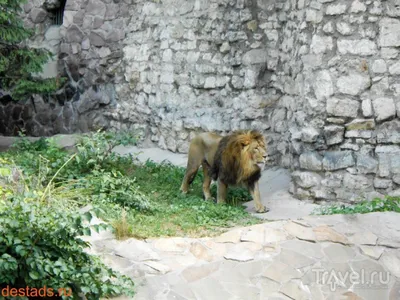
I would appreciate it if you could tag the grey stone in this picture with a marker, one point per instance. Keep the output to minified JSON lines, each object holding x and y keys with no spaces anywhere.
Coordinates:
{"x":363,"y":238}
{"x":115,"y":35}
{"x":255,"y":56}
{"x":314,"y":16}
{"x":394,"y":69}
{"x":379,"y":66}
{"x":38,"y":15}
{"x":333,"y":134}
{"x":395,"y":291}
{"x":300,"y":231}
{"x":225,"y":47}
{"x":281,"y":272}
{"x":369,"y":267}
{"x":380,"y":183}
{"x":357,"y":6}
{"x":195,"y":273}
{"x":336,"y":160}
{"x":215,"y":82}
{"x":353,"y":84}
{"x":97,"y":38}
{"x":389,"y":32}
{"x":384,"y":108}
{"x":96,"y":8}
{"x":342,"y":107}
{"x":309,"y":249}
{"x":366,"y":107}
{"x":356,"y":182}
{"x":388,"y":53}
{"x":324,"y":233}
{"x":53,"y":33}
{"x":294,"y":259}
{"x":294,"y":290}
{"x":388,"y":160}
{"x":311,"y":161}
{"x":241,"y":255}
{"x":136,"y":250}
{"x":344,"y":28}
{"x":338,"y":253}
{"x":395,"y":193}
{"x":338,"y":121}
{"x":306,"y":179}
{"x":85,"y":44}
{"x":366,"y":164}
{"x":328,"y":28}
{"x":27,"y":7}
{"x":321,"y":44}
{"x":336,"y":9}
{"x":323,"y":85}
{"x":362,"y":47}
{"x":363,"y":134}
{"x":74,"y":34}
{"x":372,"y":251}
{"x":309,"y":135}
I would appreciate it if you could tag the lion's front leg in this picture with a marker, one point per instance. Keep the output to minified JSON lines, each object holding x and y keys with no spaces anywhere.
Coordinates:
{"x":221,"y":192}
{"x":255,"y":193}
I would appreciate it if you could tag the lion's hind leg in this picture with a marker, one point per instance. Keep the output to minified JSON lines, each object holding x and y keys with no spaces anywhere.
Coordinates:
{"x":194,"y":161}
{"x":207,"y":180}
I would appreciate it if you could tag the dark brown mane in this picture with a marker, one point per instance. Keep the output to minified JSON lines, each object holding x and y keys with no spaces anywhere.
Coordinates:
{"x":230,"y":166}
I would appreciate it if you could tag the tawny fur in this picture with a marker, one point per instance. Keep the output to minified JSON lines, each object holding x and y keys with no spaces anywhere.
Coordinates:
{"x":232,"y":160}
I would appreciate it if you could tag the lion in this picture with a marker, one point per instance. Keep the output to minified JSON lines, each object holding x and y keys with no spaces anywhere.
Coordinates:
{"x":231,"y":160}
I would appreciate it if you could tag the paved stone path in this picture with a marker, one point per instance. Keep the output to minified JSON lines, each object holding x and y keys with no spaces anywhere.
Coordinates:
{"x":330,"y":257}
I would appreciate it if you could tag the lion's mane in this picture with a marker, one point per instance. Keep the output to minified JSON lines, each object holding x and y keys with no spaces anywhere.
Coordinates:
{"x":233,"y":165}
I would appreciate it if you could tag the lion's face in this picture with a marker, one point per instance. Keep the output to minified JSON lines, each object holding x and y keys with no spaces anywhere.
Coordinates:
{"x":257,"y":152}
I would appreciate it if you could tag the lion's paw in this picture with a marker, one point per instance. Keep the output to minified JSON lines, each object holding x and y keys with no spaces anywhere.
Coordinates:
{"x":262,"y":209}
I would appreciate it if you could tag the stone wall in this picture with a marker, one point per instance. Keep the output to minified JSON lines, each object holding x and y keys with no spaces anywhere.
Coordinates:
{"x":348,"y":145}
{"x":318,"y":77}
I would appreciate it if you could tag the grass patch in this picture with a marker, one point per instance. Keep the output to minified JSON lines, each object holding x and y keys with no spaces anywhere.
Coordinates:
{"x":139,"y":200}
{"x":376,"y":205}
{"x":174,"y":214}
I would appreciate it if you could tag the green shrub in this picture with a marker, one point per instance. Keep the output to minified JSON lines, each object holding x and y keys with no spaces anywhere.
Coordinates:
{"x":40,"y":246}
{"x":113,"y":187}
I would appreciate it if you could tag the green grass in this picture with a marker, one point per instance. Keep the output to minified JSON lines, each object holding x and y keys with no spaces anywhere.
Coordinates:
{"x":139,"y":200}
{"x":175,"y":214}
{"x":376,"y":205}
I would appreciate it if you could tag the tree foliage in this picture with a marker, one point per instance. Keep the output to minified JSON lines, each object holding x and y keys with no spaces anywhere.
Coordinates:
{"x":18,"y":61}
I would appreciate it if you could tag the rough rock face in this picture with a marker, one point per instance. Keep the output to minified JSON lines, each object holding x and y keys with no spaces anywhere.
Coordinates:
{"x":349,"y":73}
{"x":319,"y":78}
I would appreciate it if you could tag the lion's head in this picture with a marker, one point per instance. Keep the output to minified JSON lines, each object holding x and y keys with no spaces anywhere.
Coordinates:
{"x":240,"y":155}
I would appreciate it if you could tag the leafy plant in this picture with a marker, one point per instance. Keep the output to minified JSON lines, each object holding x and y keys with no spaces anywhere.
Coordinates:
{"x":40,"y":245}
{"x":114,"y":187}
{"x":19,"y":62}
{"x":376,"y":205}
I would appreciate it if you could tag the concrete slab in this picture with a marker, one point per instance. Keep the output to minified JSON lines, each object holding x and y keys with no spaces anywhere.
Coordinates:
{"x":274,"y":186}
